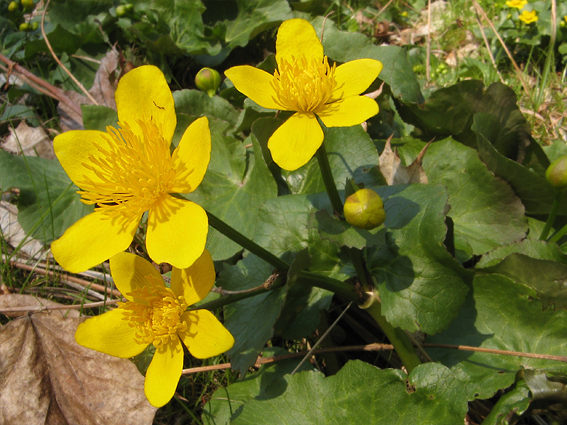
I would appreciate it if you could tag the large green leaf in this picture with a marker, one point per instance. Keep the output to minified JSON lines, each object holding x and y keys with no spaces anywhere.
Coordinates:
{"x":485,"y":211}
{"x":450,"y":112}
{"x":532,"y":188}
{"x":421,"y":285}
{"x":503,"y":315}
{"x":226,"y":401}
{"x":235,"y":185}
{"x":343,"y":46}
{"x":360,"y":394}
{"x":251,"y":321}
{"x":533,"y":248}
{"x":195,"y":103}
{"x":48,"y":203}
{"x":547,"y":278}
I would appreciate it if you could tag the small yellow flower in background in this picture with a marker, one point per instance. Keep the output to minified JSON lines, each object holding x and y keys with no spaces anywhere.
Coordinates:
{"x":528,"y":17}
{"x":305,"y":83}
{"x":128,"y":171}
{"x":155,"y":314}
{"x":518,"y":4}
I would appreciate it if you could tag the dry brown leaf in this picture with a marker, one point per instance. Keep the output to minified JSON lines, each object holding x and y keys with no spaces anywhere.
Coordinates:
{"x":47,"y":378}
{"x":15,"y":235}
{"x":395,"y":173}
{"x":102,"y":91}
{"x":29,"y":141}
{"x":19,"y":300}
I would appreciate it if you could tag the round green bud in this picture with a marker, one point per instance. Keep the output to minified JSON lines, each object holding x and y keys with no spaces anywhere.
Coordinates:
{"x":24,"y":26}
{"x":364,"y":209}
{"x":404,"y":14}
{"x":121,"y":10}
{"x":129,"y":7}
{"x":208,"y":80}
{"x":34,"y":26}
{"x":556,"y":173}
{"x":562,"y":24}
{"x":13,"y":6}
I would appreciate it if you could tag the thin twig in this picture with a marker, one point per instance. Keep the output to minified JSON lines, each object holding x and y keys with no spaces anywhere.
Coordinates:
{"x":374,"y":347}
{"x":65,"y":278}
{"x":56,"y":92}
{"x":57,"y":307}
{"x":57,"y":59}
{"x":494,"y":351}
{"x":264,"y":360}
{"x":310,"y":352}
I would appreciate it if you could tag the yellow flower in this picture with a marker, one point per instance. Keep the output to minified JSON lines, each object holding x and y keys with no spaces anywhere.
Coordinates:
{"x":305,"y":82}
{"x":128,"y":171}
{"x":528,"y":17}
{"x":155,"y":314}
{"x":518,"y":4}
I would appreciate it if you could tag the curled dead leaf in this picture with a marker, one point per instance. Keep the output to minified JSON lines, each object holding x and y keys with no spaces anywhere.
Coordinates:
{"x":395,"y":173}
{"x":47,"y":378}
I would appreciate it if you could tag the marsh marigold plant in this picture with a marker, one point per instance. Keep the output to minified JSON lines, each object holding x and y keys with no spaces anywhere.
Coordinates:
{"x":306,"y":83}
{"x":155,"y":314}
{"x":528,"y":17}
{"x":518,"y":4}
{"x":127,"y":171}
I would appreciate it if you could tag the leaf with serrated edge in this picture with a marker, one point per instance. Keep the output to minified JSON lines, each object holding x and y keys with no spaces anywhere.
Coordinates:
{"x":485,"y":211}
{"x":421,"y":285}
{"x":360,"y":394}
{"x":502,"y":315}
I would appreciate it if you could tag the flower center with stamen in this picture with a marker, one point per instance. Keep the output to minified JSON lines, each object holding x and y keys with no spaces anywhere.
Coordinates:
{"x":304,"y":84}
{"x":132,"y":171}
{"x":155,"y":312}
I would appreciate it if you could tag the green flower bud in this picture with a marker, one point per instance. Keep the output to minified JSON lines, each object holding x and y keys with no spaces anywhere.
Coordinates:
{"x":208,"y":80}
{"x":24,"y":26}
{"x":121,"y":10}
{"x":364,"y":209}
{"x":129,"y":7}
{"x":34,"y":26}
{"x":556,"y":173}
{"x":13,"y":6}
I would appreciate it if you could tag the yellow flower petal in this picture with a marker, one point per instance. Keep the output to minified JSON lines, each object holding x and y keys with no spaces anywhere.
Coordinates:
{"x":351,"y":111}
{"x":76,"y":148}
{"x":194,"y":282}
{"x":192,"y":156}
{"x":177,"y":231}
{"x":355,"y":76}
{"x":143,"y":94}
{"x":164,"y":372}
{"x":295,"y":142}
{"x":109,"y":333}
{"x":255,"y":84}
{"x":131,"y":272}
{"x":92,"y":240}
{"x":205,"y":336}
{"x":297,"y":37}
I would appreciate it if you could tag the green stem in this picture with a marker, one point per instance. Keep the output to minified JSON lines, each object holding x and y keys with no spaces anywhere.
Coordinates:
{"x":336,"y":286}
{"x":327,"y":174}
{"x":302,"y":278}
{"x":559,"y":234}
{"x":360,"y":267}
{"x":552,"y":215}
{"x":397,"y":338}
{"x":244,"y":242}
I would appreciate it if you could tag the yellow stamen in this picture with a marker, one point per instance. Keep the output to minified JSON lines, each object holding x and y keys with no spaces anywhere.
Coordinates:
{"x":155,"y":312}
{"x":133,"y":171}
{"x":304,"y":84}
